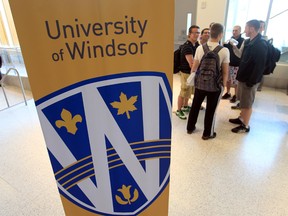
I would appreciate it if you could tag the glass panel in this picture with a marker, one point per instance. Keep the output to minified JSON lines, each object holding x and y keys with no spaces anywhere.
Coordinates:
{"x":276,"y":27}
{"x":189,"y":21}
{"x":11,"y":23}
{"x":3,"y":37}
{"x":239,"y":12}
{"x":9,"y":45}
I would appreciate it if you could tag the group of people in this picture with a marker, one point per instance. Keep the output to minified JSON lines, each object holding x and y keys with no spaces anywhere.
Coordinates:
{"x":241,"y":65}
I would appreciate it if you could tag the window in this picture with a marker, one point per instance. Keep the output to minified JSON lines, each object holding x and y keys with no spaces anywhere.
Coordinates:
{"x":239,"y":12}
{"x":277,"y":28}
{"x":8,"y":36}
{"x":189,"y":21}
{"x":9,"y":44}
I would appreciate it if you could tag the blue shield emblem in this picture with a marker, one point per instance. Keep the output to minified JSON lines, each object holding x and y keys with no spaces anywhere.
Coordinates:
{"x":109,"y":141}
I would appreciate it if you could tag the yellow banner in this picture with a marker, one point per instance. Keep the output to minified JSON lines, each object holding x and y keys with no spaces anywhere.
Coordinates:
{"x":101,"y":76}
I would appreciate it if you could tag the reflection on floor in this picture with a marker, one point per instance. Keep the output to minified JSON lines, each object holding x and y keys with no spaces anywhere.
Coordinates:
{"x":233,"y":174}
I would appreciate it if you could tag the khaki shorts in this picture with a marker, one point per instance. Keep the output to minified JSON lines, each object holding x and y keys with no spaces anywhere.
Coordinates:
{"x":186,"y":91}
{"x":246,"y":95}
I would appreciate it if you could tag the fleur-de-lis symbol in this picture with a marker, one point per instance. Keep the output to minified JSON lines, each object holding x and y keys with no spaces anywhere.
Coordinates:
{"x":125,"y":105}
{"x":125,"y":190}
{"x":68,"y":121}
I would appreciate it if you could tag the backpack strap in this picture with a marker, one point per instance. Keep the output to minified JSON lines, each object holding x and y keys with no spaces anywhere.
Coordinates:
{"x":217,"y":49}
{"x":205,"y":48}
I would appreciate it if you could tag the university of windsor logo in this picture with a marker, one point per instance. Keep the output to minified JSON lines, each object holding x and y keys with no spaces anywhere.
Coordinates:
{"x":109,"y":141}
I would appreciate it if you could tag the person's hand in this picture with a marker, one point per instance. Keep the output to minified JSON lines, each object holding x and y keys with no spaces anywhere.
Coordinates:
{"x":233,"y":45}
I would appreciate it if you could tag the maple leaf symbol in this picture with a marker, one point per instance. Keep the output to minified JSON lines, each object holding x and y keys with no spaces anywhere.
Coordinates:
{"x":125,"y":105}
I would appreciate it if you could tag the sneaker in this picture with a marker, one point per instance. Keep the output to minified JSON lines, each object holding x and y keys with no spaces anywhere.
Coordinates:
{"x":226,"y":96}
{"x":209,"y":137}
{"x":236,"y":121}
{"x":233,"y":99}
{"x":191,"y":131}
{"x":180,"y":114}
{"x":237,"y":106}
{"x":241,"y":129}
{"x":186,"y":109}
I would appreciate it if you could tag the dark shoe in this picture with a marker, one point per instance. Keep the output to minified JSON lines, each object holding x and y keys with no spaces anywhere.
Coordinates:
{"x":241,"y":129}
{"x":226,"y":96}
{"x":191,"y":131}
{"x":209,"y":137}
{"x":233,"y":99}
{"x":236,"y":121}
{"x":237,"y":106}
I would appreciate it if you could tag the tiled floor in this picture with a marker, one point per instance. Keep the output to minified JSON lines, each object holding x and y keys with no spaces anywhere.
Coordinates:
{"x":231,"y":175}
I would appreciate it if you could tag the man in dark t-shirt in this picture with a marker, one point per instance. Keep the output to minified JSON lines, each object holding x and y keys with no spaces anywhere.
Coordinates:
{"x":234,"y":63}
{"x":188,"y":50}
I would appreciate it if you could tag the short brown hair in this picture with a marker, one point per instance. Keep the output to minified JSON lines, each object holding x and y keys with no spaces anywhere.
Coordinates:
{"x":264,"y":23}
{"x":254,"y":24}
{"x":216,"y":30}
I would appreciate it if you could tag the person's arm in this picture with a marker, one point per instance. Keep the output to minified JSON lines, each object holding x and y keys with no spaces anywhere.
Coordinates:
{"x":225,"y":65}
{"x":225,"y":70}
{"x":238,"y":52}
{"x":189,"y":59}
{"x":195,"y":66}
{"x":196,"y":60}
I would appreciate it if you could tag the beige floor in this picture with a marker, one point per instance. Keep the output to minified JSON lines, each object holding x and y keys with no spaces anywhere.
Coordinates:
{"x":231,"y":175}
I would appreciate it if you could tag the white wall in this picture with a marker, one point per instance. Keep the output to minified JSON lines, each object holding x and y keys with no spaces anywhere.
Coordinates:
{"x":203,"y":13}
{"x":279,"y":78}
{"x":211,"y":11}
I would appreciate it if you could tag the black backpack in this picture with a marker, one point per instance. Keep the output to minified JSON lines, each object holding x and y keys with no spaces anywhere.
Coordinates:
{"x":273,"y":56}
{"x":177,"y":60}
{"x":208,"y":76}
